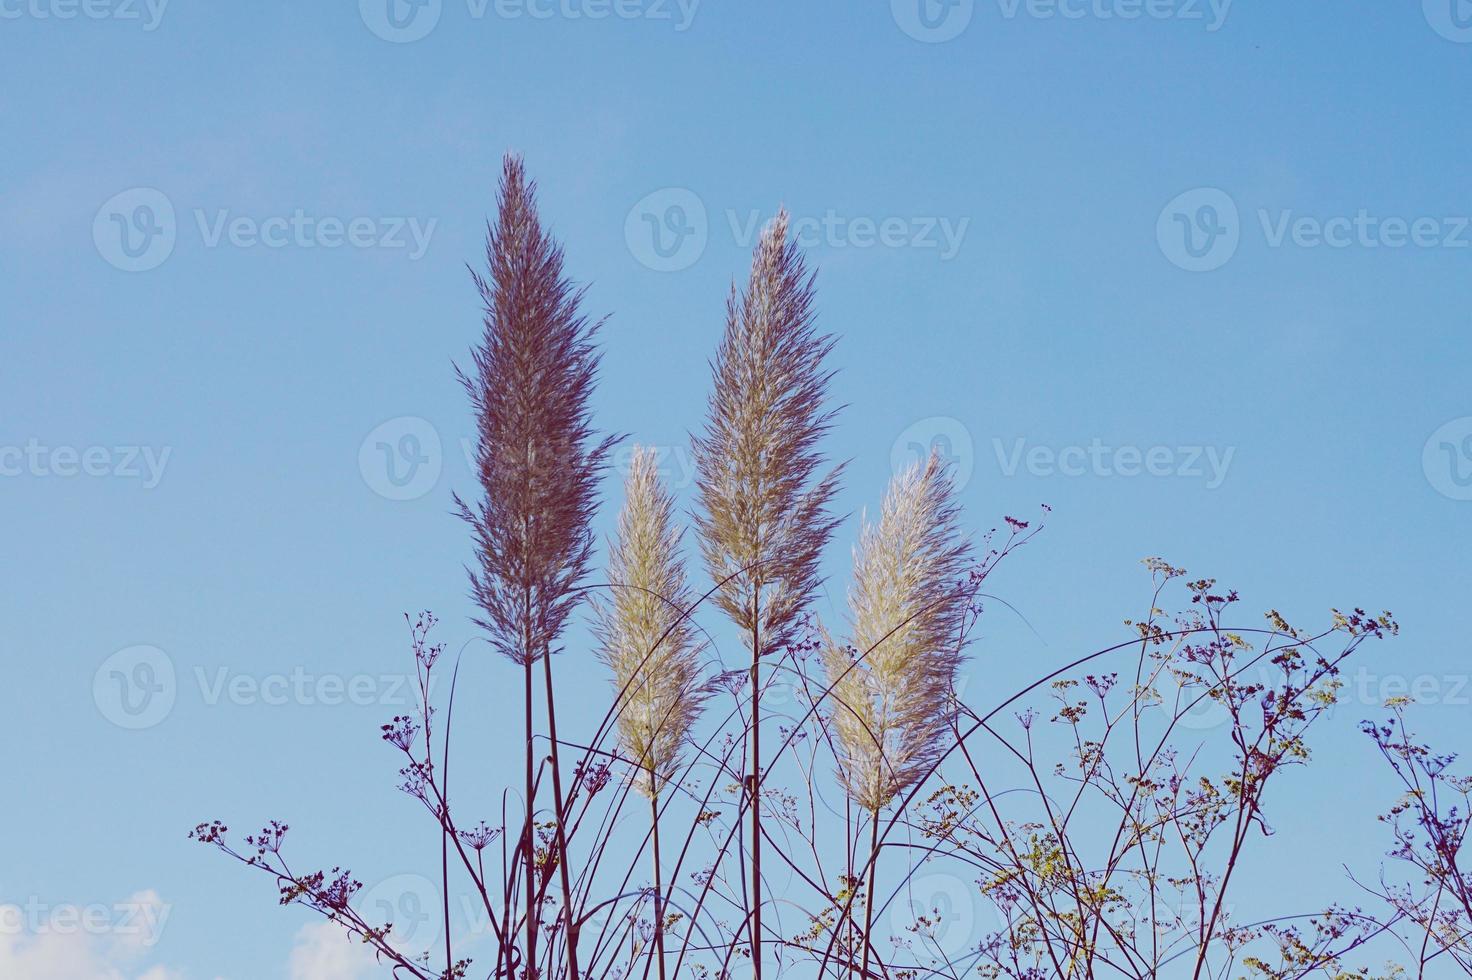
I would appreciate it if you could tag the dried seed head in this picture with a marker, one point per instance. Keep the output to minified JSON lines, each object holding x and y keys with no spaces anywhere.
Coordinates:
{"x":536,"y":455}
{"x":645,"y":635}
{"x":764,"y":520}
{"x":894,"y":685}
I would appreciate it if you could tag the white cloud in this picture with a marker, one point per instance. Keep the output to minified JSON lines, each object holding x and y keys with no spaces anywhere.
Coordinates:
{"x":39,"y":941}
{"x":324,"y":951}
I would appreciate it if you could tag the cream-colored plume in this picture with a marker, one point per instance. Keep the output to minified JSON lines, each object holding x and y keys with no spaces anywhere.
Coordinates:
{"x":645,"y":636}
{"x":893,"y":685}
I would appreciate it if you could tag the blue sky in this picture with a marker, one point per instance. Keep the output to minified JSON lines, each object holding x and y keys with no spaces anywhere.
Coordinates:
{"x":234,"y":241}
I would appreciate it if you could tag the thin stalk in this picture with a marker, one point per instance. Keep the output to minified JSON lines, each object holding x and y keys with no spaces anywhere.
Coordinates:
{"x":869,"y":893}
{"x":529,"y":855}
{"x":658,"y":880}
{"x":756,"y":792}
{"x":570,"y":922}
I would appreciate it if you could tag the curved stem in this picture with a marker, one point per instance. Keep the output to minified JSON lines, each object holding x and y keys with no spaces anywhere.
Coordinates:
{"x":570,"y":923}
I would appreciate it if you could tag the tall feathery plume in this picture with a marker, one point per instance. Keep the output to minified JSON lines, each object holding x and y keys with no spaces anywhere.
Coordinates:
{"x":645,"y":637}
{"x":764,"y":518}
{"x":539,"y":462}
{"x":893,"y":687}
